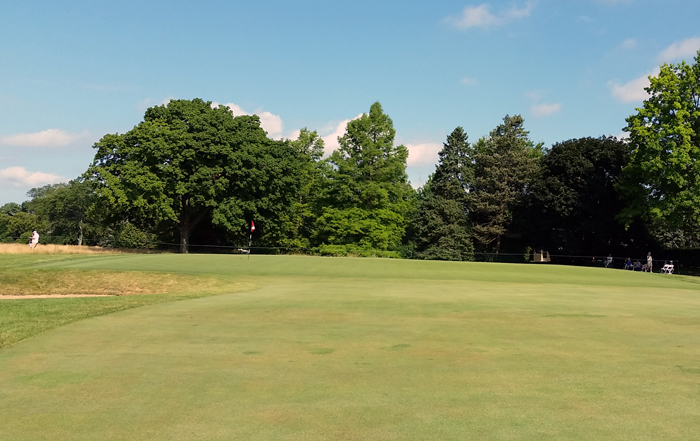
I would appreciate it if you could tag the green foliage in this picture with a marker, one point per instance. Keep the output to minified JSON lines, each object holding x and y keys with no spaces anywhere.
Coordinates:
{"x":129,"y":236}
{"x":576,"y":197}
{"x":18,"y":227}
{"x":505,"y":165}
{"x":662,"y":178}
{"x":354,"y":251}
{"x":441,"y":227}
{"x":67,"y":209}
{"x":296,"y":225}
{"x":188,"y":161}
{"x":367,"y":198}
{"x":367,"y":229}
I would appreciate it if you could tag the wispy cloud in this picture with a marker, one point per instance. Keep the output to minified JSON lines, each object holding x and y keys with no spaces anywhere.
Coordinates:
{"x":632,"y":91}
{"x":21,"y":177}
{"x":630,"y":43}
{"x":482,"y":17}
{"x":469,"y":81}
{"x":143,"y":105}
{"x":680,"y":50}
{"x":46,"y":138}
{"x":545,"y":109}
{"x":540,"y":109}
{"x":613,"y":2}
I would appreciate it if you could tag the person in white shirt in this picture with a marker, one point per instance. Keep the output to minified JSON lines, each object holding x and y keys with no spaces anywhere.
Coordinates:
{"x":34,"y":241}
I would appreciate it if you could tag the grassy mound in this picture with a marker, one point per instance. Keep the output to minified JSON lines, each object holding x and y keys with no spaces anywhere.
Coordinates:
{"x":23,"y":318}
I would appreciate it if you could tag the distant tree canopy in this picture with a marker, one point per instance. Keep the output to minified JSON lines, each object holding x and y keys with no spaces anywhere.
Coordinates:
{"x":67,"y":210}
{"x":193,"y":173}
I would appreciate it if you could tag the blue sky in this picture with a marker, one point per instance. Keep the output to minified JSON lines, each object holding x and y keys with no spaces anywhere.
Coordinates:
{"x":71,"y":72}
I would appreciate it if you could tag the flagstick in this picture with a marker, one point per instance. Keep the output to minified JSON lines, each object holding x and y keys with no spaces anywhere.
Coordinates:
{"x":250,"y":238}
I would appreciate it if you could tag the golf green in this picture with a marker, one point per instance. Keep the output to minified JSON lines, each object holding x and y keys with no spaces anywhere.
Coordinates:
{"x":367,"y":349}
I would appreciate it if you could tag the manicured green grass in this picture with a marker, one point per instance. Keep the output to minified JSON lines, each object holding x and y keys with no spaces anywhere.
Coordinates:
{"x":367,"y":349}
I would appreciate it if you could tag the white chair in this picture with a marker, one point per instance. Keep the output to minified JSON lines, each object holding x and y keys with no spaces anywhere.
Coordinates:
{"x":667,"y":268}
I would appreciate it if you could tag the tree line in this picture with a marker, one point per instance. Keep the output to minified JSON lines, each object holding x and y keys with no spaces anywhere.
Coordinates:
{"x":194,"y":174}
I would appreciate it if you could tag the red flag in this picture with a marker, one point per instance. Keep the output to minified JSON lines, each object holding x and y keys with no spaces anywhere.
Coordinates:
{"x":252,"y":226}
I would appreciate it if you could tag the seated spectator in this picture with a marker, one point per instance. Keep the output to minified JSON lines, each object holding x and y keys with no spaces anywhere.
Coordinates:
{"x":628,"y":264}
{"x":608,"y":261}
{"x":637,"y":265}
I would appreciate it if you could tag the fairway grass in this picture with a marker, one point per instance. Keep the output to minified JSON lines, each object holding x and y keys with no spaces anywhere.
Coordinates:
{"x":367,"y":349}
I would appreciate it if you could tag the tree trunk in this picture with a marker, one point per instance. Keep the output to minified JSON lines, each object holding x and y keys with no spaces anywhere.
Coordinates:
{"x":185,"y":226}
{"x":187,"y":223}
{"x":80,"y":232}
{"x":184,"y":234}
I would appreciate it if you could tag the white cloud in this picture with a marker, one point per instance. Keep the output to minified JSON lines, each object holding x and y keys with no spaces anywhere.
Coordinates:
{"x":46,"y":138}
{"x":423,"y":154}
{"x":680,"y":50}
{"x":481,"y":16}
{"x":270,"y":122}
{"x":623,"y":135}
{"x":21,"y":177}
{"x":545,"y":109}
{"x":294,"y":134}
{"x":469,"y":81}
{"x":235,"y":108}
{"x":632,"y":91}
{"x":330,"y":141}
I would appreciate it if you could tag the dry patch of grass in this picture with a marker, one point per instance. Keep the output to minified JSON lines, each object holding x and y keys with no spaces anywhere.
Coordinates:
{"x":26,"y":282}
{"x":26,"y":316}
{"x":18,"y":248}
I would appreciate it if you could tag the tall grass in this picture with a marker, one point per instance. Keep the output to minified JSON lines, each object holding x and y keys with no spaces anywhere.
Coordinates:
{"x":18,"y":248}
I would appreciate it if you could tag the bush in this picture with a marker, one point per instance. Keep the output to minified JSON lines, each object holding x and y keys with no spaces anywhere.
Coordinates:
{"x":129,"y":236}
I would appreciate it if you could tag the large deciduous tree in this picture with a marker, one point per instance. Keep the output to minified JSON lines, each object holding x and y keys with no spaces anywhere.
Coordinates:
{"x":367,"y":197}
{"x":188,"y":161}
{"x":505,"y":164}
{"x":441,"y":227}
{"x":662,"y":178}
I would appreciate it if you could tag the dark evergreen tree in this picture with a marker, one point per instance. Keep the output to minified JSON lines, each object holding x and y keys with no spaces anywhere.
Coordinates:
{"x":441,"y":227}
{"x":505,"y":165}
